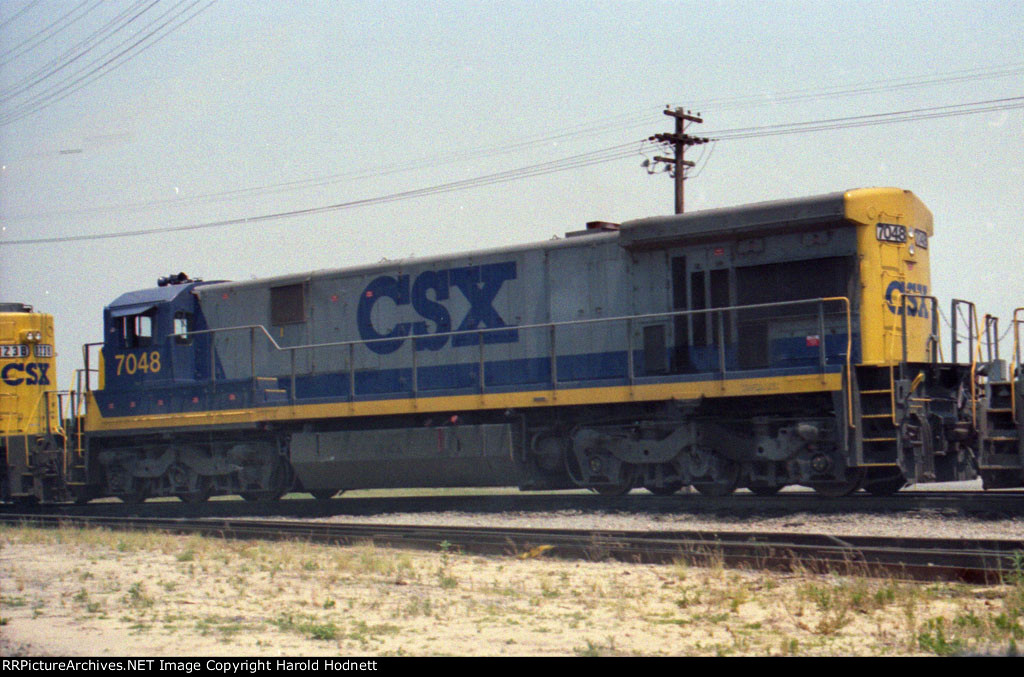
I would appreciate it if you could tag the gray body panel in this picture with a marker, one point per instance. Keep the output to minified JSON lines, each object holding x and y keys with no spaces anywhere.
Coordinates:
{"x":471,"y":455}
{"x":597,"y":275}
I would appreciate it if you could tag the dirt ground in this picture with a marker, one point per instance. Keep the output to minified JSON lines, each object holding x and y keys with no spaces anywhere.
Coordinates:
{"x":96,"y":593}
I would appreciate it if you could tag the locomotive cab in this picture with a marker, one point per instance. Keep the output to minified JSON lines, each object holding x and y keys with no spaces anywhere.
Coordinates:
{"x":150,"y":341}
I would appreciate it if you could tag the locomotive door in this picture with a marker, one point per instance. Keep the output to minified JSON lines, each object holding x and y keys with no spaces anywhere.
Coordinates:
{"x":894,"y":279}
{"x":701,"y":280}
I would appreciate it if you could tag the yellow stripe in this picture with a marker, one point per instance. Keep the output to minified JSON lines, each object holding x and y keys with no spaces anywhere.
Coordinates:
{"x":520,"y":400}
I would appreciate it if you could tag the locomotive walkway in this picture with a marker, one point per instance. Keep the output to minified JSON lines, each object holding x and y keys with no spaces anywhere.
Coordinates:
{"x":967,"y":560}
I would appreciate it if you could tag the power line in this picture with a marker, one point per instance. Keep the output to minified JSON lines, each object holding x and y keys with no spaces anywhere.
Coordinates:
{"x":75,"y":53}
{"x":21,"y":11}
{"x":603,"y":155}
{"x":856,"y":89}
{"x":60,"y":24}
{"x":619,"y":122}
{"x":572,"y":162}
{"x":952,"y":110}
{"x":83,"y":77}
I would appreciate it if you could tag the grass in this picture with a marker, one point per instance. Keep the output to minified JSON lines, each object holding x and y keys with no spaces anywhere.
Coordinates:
{"x":257,"y":597}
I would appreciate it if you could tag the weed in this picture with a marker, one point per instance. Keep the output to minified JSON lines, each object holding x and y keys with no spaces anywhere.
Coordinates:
{"x":444,"y":574}
{"x":308,"y":627}
{"x":934,"y":639}
{"x":137,"y":597}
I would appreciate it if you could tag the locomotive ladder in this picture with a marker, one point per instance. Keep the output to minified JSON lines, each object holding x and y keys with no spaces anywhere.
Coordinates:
{"x":876,"y":413}
{"x":1001,"y":420}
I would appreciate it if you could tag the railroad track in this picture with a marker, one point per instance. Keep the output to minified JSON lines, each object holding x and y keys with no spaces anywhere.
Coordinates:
{"x":974,"y":503}
{"x":972,"y":561}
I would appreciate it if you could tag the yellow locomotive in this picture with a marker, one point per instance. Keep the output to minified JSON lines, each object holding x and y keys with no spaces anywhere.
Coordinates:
{"x":31,"y":430}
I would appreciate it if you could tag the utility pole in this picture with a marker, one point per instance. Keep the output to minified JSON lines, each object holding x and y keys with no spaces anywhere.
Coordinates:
{"x":679,"y":141}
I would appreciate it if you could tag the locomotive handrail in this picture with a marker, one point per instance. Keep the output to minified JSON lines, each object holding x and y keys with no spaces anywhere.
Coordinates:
{"x":991,"y":336}
{"x":486,"y":330}
{"x":971,"y":321}
{"x":88,"y":370}
{"x":933,"y":338}
{"x":975,"y":358}
{"x":1017,"y":368}
{"x":553,"y":328}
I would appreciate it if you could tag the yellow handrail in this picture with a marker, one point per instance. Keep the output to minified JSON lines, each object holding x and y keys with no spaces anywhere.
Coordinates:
{"x":849,"y":349}
{"x":1017,"y":361}
{"x":975,"y":357}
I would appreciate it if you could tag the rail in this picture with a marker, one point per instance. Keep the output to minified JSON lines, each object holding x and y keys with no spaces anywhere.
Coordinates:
{"x":720,"y":317}
{"x":977,"y":561}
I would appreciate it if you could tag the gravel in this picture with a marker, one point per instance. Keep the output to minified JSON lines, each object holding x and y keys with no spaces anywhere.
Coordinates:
{"x":922,"y":524}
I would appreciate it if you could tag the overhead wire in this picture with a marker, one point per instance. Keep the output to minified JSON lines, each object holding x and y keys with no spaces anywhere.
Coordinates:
{"x":847,"y":122}
{"x":13,"y":17}
{"x":572,"y":162}
{"x":74,"y":53}
{"x":619,"y":122}
{"x":55,"y":27}
{"x":114,"y":59}
{"x":603,"y":155}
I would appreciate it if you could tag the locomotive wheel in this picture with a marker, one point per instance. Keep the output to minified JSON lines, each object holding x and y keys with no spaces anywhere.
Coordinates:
{"x":138,"y":493}
{"x":885,"y":486}
{"x":667,"y":490}
{"x":715,"y":488}
{"x":279,"y":482}
{"x":726,"y":479}
{"x":323,"y":494}
{"x":765,"y":489}
{"x":854,"y":480}
{"x":204,"y":490}
{"x":614,"y":489}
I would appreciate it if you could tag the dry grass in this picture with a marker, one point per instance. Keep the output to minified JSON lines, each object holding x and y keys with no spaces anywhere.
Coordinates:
{"x":95,"y":592}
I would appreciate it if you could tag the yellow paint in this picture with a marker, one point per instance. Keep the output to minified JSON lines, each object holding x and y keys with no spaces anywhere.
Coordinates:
{"x":522,"y":400}
{"x":27,"y":407}
{"x":882,"y":263}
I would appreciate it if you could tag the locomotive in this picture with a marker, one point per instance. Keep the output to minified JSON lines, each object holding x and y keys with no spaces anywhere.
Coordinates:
{"x":791,"y":342}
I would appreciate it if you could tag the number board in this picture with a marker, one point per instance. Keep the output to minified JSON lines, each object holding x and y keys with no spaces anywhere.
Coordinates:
{"x":890,"y":232}
{"x":13,"y":351}
{"x":921,"y":238}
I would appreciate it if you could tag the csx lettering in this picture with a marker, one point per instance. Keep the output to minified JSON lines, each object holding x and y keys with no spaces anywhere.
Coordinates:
{"x":478,"y":284}
{"x":30,"y":374}
{"x":916,"y":307}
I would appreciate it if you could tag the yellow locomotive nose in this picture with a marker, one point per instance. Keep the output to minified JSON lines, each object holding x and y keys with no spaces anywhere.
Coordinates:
{"x":31,"y":436}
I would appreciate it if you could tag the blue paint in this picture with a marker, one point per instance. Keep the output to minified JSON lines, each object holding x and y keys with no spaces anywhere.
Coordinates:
{"x":478,"y":284}
{"x":789,"y":357}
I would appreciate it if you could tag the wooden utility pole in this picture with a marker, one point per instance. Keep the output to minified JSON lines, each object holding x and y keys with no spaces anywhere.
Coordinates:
{"x":679,"y":141}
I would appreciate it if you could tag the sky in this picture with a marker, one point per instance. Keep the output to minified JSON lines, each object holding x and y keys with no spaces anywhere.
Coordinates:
{"x":198,"y":112}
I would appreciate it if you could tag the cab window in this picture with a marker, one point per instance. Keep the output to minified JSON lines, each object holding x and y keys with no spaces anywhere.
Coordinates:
{"x":137,"y":330}
{"x":182,"y":327}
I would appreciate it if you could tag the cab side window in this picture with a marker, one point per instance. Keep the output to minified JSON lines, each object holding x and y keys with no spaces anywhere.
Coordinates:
{"x":182,"y":327}
{"x":137,"y":330}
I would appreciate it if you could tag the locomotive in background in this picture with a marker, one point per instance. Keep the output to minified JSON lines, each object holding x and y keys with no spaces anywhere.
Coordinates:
{"x":779,"y":343}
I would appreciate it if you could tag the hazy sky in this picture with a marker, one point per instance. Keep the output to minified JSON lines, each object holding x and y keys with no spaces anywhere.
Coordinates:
{"x":255,"y":108}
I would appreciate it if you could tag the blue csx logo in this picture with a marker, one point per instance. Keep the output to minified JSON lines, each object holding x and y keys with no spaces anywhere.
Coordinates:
{"x":478,"y":284}
{"x":916,"y":307}
{"x":31,"y":374}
